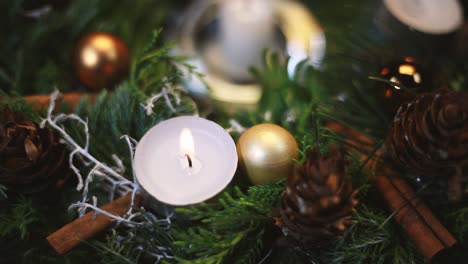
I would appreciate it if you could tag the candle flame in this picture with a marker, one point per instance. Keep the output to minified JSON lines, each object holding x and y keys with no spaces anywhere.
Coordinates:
{"x":186,"y":144}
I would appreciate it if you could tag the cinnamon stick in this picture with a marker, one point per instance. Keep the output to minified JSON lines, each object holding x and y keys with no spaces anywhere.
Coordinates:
{"x":69,"y":236}
{"x":418,"y":221}
{"x":411,"y":213}
{"x":40,"y":102}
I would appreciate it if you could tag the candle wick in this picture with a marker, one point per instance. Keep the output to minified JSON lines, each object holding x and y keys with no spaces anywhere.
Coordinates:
{"x":189,"y":160}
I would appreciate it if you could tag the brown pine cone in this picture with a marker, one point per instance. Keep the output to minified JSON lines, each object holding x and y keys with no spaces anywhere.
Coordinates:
{"x":429,"y":137}
{"x":318,"y":201}
{"x":31,"y":160}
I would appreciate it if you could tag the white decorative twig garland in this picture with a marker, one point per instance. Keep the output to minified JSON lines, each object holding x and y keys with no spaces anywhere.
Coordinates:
{"x":235,"y":127}
{"x":166,"y":92}
{"x":111,"y":178}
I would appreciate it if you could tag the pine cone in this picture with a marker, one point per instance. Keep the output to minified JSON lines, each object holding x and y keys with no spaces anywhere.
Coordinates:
{"x":31,"y":160}
{"x":429,"y":137}
{"x":317,"y":203}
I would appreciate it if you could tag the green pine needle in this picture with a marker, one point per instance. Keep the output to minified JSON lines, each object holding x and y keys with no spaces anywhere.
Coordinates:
{"x":18,"y":218}
{"x":372,"y":241}
{"x":460,"y":219}
{"x":232,"y":227}
{"x":3,"y":190}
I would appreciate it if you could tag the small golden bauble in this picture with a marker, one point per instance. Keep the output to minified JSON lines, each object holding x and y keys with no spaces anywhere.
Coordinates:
{"x":100,"y":60}
{"x":265,"y":153}
{"x":407,"y":73}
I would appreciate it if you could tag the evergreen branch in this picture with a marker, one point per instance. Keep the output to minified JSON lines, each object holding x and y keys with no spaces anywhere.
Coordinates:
{"x":306,"y":144}
{"x":149,"y":241}
{"x":253,"y":247}
{"x":460,"y":219}
{"x":3,"y":190}
{"x":18,"y":104}
{"x":370,"y":241}
{"x":393,"y":84}
{"x":371,"y":155}
{"x":228,"y":225}
{"x":18,"y":219}
{"x":100,"y":246}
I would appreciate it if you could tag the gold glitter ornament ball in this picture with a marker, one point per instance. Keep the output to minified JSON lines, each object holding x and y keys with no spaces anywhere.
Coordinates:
{"x":265,"y":153}
{"x":101,"y":60}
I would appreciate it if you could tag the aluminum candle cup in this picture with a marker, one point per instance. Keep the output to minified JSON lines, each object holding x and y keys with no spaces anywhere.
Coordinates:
{"x":184,"y":161}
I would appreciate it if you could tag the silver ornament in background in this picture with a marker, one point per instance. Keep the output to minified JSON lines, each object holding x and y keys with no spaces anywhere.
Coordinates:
{"x":223,"y":39}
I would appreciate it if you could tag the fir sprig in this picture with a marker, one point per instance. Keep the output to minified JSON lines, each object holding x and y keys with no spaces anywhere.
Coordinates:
{"x":234,"y":225}
{"x":17,"y":104}
{"x":373,"y":240}
{"x":18,"y":218}
{"x":3,"y":190}
{"x":138,"y":244}
{"x":460,"y":219}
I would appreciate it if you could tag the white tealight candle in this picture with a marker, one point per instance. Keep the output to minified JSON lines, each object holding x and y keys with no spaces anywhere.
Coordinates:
{"x":185,"y":160}
{"x":247,"y":27}
{"x":428,"y":16}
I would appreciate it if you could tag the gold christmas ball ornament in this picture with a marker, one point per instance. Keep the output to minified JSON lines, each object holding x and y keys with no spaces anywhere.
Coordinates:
{"x":100,"y":60}
{"x":265,"y":153}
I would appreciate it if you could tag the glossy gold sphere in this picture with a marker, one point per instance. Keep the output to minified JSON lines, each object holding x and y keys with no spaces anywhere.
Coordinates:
{"x":101,"y":60}
{"x":265,"y":153}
